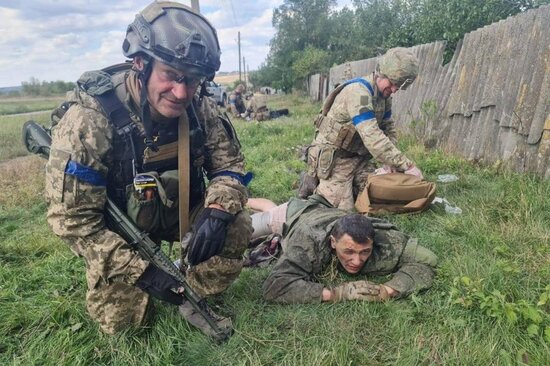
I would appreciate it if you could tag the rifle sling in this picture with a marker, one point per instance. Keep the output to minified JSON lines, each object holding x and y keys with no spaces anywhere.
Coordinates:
{"x":183,"y":173}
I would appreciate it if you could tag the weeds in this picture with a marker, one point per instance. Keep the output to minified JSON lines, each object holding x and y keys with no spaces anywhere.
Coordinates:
{"x":534,"y":318}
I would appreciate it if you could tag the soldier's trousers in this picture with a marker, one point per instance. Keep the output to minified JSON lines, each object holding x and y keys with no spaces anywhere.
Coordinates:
{"x":217,"y":273}
{"x":115,"y":304}
{"x":347,"y":178}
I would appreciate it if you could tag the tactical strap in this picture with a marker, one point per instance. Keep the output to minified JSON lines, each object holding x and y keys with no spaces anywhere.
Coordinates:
{"x":116,"y":113}
{"x":184,"y":167}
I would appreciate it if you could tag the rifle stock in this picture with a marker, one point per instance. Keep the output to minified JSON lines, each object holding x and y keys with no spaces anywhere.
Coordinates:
{"x":37,"y":140}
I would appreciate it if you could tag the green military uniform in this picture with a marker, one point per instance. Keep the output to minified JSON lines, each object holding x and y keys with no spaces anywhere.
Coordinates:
{"x":83,"y":167}
{"x":307,"y":253}
{"x":357,"y":127}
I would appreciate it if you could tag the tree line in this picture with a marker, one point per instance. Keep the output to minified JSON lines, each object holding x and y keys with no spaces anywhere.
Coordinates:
{"x":35,"y":87}
{"x":313,"y":35}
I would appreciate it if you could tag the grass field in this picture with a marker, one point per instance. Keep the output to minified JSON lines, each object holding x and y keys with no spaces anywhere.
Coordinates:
{"x":10,"y":105}
{"x":488,"y":306}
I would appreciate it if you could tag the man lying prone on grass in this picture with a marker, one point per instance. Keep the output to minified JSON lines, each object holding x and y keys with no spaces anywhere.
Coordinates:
{"x":315,"y":234}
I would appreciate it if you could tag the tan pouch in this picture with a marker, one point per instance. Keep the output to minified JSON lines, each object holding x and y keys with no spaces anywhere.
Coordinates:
{"x":325,"y":162}
{"x":395,"y":193}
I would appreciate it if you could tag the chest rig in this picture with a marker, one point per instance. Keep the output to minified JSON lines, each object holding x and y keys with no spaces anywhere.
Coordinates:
{"x":130,"y":156}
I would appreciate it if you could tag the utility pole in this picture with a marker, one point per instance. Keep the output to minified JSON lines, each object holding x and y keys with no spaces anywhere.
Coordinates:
{"x":239,"y":56}
{"x":248,"y":73}
{"x":195,"y":6}
{"x":244,"y":71}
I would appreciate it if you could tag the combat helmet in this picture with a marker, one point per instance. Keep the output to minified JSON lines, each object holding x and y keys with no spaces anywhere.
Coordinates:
{"x":399,"y":65}
{"x":175,"y":35}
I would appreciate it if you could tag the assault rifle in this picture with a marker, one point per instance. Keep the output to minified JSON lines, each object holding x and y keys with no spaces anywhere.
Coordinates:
{"x":37,"y":140}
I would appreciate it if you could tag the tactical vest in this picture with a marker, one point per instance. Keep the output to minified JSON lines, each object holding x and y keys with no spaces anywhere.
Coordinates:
{"x":343,"y":135}
{"x":130,"y":156}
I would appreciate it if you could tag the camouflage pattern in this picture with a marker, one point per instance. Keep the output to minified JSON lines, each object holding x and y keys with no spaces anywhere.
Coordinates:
{"x":307,"y":253}
{"x":257,"y":108}
{"x":348,"y":178}
{"x":236,"y":104}
{"x":372,"y":138}
{"x":217,"y":273}
{"x":85,"y":136}
{"x":398,"y":65}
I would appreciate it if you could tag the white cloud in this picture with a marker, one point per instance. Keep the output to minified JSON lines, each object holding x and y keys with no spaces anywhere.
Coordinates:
{"x":59,"y":39}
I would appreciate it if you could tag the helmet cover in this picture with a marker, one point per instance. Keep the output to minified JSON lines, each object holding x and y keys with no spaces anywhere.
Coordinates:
{"x":175,"y":35}
{"x":399,"y":65}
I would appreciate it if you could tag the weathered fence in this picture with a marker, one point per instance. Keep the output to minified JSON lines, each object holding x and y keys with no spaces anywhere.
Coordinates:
{"x":490,"y":103}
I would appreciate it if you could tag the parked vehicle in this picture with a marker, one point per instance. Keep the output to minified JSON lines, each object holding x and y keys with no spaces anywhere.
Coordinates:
{"x":218,"y":92}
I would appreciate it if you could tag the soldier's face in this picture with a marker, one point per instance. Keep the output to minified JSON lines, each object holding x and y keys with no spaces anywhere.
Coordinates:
{"x":351,"y":254}
{"x":385,"y":87}
{"x":170,"y":91}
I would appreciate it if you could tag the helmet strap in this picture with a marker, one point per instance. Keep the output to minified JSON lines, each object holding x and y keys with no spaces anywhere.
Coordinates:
{"x":143,"y":77}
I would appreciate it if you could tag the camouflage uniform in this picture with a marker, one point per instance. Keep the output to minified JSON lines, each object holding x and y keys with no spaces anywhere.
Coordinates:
{"x":307,"y":253}
{"x":236,"y":104}
{"x":82,"y":146}
{"x":257,"y":108}
{"x":357,"y":128}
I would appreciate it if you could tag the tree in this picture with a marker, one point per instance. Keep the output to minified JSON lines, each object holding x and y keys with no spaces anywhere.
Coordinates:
{"x":310,"y":36}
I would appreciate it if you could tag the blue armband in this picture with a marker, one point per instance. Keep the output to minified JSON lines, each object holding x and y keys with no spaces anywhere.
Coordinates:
{"x":85,"y":174}
{"x":243,"y":179}
{"x":362,"y":117}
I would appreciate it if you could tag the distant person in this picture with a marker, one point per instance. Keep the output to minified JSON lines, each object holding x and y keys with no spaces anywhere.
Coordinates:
{"x":257,"y":109}
{"x":236,"y":101}
{"x":132,"y":157}
{"x":356,"y":129}
{"x":315,"y":235}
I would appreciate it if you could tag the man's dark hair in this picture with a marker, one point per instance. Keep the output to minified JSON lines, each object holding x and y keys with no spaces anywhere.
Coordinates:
{"x":355,"y":225}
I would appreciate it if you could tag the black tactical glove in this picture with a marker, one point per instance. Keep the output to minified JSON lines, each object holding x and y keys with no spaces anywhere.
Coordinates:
{"x":209,"y":233}
{"x":159,"y":284}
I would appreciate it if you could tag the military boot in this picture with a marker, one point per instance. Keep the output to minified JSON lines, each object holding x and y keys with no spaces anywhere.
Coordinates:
{"x":196,"y":319}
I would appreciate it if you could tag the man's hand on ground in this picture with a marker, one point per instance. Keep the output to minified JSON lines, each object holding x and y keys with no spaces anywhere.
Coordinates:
{"x":357,"y":290}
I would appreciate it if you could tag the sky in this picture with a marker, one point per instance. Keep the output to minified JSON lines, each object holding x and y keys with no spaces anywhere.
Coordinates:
{"x":60,"y":39}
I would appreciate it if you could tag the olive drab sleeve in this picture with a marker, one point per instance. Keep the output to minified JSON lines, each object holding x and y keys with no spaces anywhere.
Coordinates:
{"x":358,"y":103}
{"x":411,"y":265}
{"x":290,"y":280}
{"x":224,"y":161}
{"x":306,"y":253}
{"x":76,"y":191}
{"x":415,"y":270}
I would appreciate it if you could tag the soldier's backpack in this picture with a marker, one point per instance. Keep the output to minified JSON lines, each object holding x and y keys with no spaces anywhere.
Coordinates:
{"x":395,"y":193}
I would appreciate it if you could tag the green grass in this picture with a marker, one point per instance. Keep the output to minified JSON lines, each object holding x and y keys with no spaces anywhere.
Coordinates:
{"x":29,"y":104}
{"x":10,"y":133}
{"x":499,"y":243}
